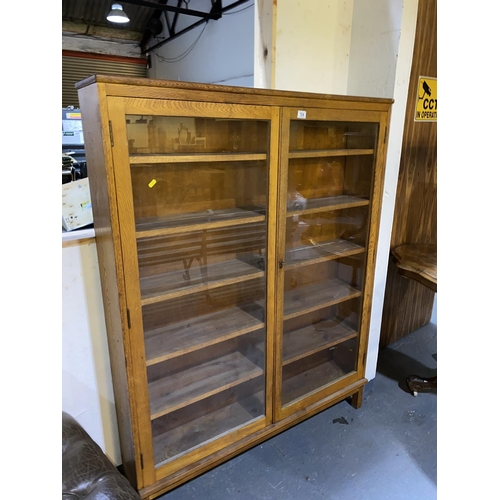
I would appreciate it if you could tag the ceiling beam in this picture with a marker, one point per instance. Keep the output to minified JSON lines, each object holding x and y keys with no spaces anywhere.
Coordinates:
{"x":217,"y":10}
{"x":69,"y":27}
{"x":171,"y":8}
{"x":174,"y":23}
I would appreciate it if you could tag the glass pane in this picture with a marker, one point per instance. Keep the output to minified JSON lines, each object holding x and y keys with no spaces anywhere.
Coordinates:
{"x":326,"y":235}
{"x":171,"y":195}
{"x":201,"y":225}
{"x":180,"y":134}
{"x":311,"y":135}
{"x":317,"y":182}
{"x":321,"y":314}
{"x":205,"y":354}
{"x":182,"y":263}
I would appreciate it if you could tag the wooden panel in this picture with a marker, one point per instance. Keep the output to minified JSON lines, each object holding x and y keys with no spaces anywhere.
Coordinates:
{"x":314,"y":338}
{"x":329,"y":152}
{"x":408,"y":305}
{"x":314,"y":297}
{"x":311,"y":380}
{"x":319,"y":205}
{"x":272,"y":261}
{"x":188,"y":158}
{"x":280,"y":255}
{"x":188,"y":108}
{"x":196,"y":333}
{"x":314,"y":254}
{"x":173,"y":284}
{"x":195,"y":221}
{"x":186,"y":437}
{"x":187,"y":387}
{"x":132,"y":322}
{"x":95,"y":118}
{"x":418,"y":262}
{"x":136,"y":85}
{"x":217,"y":245}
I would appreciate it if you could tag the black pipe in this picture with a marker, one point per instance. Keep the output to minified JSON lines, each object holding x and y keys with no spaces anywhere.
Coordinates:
{"x":194,"y":25}
{"x":173,"y":37}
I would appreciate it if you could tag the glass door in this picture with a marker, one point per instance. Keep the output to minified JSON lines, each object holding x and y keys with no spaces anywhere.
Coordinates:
{"x":326,"y":191}
{"x":197,"y":246}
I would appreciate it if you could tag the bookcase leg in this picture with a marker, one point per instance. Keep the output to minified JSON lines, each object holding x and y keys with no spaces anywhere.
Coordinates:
{"x":356,"y":399}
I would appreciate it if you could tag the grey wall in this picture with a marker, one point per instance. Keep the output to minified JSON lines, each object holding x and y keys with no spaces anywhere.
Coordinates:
{"x":223,"y":53}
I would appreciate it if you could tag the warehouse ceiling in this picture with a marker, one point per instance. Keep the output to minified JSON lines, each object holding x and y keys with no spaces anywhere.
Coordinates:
{"x":147,"y":17}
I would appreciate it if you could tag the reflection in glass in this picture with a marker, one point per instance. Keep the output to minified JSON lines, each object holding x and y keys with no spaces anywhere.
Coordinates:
{"x":330,"y":176}
{"x":180,"y":134}
{"x":175,"y":265}
{"x":316,"y":182}
{"x":181,"y":194}
{"x":200,"y":209}
{"x":205,"y":354}
{"x":317,"y":135}
{"x":325,"y":235}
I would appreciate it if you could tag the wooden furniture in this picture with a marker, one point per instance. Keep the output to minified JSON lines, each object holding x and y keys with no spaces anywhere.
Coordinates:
{"x":407,"y":305}
{"x":236,"y":232}
{"x":419,"y":263}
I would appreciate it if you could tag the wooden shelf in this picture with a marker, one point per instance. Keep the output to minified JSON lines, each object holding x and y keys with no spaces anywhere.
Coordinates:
{"x":316,"y":205}
{"x":194,"y":384}
{"x":321,"y":252}
{"x":172,"y":285}
{"x":197,"y":333}
{"x":195,"y":221}
{"x":310,"y":381}
{"x":193,"y":158}
{"x":192,"y":245}
{"x":314,"y":338}
{"x":321,"y":153}
{"x":201,"y":430}
{"x":311,"y":298}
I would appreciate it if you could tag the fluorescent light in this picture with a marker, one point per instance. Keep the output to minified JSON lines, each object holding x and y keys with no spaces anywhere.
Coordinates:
{"x":117,"y":14}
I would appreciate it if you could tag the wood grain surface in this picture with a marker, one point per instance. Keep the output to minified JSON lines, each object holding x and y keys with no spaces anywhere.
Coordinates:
{"x":408,"y":304}
{"x":418,"y":262}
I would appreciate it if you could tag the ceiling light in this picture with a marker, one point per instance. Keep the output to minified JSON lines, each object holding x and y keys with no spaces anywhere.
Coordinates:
{"x":117,"y":14}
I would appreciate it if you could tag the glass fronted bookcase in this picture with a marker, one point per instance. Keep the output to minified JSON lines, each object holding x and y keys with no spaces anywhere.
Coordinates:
{"x":236,"y":232}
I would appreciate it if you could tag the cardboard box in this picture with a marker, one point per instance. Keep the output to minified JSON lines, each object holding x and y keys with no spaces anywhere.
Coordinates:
{"x":76,"y":205}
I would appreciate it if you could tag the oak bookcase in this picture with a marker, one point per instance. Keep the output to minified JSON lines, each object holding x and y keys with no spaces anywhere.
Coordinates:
{"x":236,"y":232}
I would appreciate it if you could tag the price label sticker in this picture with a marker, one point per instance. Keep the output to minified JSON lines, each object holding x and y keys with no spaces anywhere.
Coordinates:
{"x":301,"y":114}
{"x":152,"y":183}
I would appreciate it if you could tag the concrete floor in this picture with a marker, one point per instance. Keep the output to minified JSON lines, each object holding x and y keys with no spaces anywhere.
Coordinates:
{"x":385,"y":450}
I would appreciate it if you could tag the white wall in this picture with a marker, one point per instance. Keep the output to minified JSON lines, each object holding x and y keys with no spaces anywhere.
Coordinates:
{"x":375,"y":41}
{"x":434,"y":311}
{"x":312,"y":45}
{"x":264,"y":48}
{"x":383,"y":35}
{"x":87,"y":392}
{"x":223,"y":53}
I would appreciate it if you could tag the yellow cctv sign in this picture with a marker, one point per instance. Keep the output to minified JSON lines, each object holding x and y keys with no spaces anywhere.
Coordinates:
{"x":427,"y":103}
